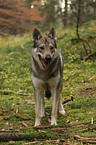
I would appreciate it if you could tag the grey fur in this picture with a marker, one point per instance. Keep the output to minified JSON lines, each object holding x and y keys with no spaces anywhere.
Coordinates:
{"x":47,"y":76}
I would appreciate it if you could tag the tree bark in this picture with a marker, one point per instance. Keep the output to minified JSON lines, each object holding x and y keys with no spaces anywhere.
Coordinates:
{"x":65,"y":15}
{"x":11,"y":136}
{"x":24,"y":136}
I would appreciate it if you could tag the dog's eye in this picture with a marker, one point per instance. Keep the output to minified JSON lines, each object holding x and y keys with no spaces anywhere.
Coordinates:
{"x":42,"y":48}
{"x":51,"y":47}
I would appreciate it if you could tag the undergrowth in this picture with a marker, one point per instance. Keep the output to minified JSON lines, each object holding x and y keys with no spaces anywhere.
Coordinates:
{"x":16,"y":90}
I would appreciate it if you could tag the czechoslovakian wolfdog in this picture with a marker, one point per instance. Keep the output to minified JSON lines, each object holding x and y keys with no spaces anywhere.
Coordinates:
{"x":47,"y":74}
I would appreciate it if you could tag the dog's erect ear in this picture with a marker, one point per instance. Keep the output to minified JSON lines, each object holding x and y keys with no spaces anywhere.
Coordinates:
{"x":52,"y":33}
{"x":36,"y":35}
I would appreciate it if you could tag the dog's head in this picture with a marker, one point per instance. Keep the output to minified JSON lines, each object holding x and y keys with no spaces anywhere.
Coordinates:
{"x":44,"y":48}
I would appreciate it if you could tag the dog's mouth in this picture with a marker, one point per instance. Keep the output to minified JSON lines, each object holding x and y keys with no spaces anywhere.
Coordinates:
{"x":45,"y":62}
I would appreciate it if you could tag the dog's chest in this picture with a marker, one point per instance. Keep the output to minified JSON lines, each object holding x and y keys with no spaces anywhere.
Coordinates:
{"x":41,"y":84}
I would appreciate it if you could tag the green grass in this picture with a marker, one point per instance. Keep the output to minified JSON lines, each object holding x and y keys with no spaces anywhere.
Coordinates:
{"x":16,"y":89}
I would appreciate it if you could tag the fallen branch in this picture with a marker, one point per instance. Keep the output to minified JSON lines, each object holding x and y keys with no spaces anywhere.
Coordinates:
{"x":11,"y":136}
{"x":24,"y":124}
{"x":9,"y":131}
{"x":58,"y":129}
{"x":66,"y":101}
{"x":29,"y":143}
{"x":86,"y":140}
{"x":89,"y":56}
{"x":39,"y":127}
{"x":23,"y":136}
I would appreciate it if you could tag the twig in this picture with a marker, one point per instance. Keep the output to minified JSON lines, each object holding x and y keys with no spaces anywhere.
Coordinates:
{"x":58,"y":129}
{"x":29,"y":143}
{"x":87,"y":140}
{"x":39,"y":127}
{"x":24,"y":124}
{"x":89,"y":56}
{"x":65,"y":101}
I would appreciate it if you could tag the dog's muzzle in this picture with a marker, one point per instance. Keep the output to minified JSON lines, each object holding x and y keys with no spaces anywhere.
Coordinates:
{"x":46,"y":61}
{"x":48,"y":58}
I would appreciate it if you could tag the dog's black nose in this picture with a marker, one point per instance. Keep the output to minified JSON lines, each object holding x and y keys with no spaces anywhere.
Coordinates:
{"x":48,"y":57}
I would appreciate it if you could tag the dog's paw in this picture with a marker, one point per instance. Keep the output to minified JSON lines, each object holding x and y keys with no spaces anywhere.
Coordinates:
{"x":42,"y":115}
{"x":62,"y":112}
{"x":37,"y":122}
{"x":53,"y":121}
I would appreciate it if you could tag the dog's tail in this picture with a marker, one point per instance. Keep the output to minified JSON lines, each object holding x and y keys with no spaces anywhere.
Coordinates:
{"x":48,"y":94}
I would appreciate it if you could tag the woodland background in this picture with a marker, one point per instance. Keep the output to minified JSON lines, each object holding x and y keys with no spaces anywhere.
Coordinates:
{"x":19,"y":16}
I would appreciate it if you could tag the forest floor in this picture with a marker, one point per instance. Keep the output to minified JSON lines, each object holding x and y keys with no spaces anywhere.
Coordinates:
{"x":17,"y":107}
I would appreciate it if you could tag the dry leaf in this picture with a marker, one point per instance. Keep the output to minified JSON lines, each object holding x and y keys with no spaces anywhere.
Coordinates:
{"x":22,"y":112}
{"x":29,"y":143}
{"x":58,"y":140}
{"x":67,"y":121}
{"x":91,"y":120}
{"x":49,"y":120}
{"x":41,"y":131}
{"x":2,"y":114}
{"x":62,"y":140}
{"x":47,"y":113}
{"x":24,"y":124}
{"x":11,"y":142}
{"x":17,"y":110}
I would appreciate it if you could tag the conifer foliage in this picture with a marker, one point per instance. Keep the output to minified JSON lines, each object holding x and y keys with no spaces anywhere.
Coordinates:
{"x":17,"y":16}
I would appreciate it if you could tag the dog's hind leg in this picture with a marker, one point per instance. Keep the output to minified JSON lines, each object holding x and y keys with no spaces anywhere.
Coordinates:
{"x":61,"y":109}
{"x":38,"y":106}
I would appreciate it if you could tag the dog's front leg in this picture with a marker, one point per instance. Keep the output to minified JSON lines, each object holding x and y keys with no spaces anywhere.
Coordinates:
{"x":56,"y":95}
{"x":39,"y":106}
{"x":42,"y":106}
{"x":61,"y":109}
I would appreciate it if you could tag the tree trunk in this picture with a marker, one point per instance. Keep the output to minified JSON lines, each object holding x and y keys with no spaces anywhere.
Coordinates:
{"x":65,"y":15}
{"x":81,"y":11}
{"x":78,"y":19}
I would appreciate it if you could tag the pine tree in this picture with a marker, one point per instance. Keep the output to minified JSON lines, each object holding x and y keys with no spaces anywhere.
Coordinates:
{"x":17,"y":17}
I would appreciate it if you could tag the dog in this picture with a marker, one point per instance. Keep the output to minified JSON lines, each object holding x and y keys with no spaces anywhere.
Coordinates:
{"x":47,"y":74}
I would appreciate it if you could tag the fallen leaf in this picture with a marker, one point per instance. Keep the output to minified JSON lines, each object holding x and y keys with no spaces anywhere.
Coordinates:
{"x":29,"y":102}
{"x":41,"y":131}
{"x":88,"y":88}
{"x":62,"y":140}
{"x":24,"y":124}
{"x":67,"y":121}
{"x":66,"y":143}
{"x":23,"y":112}
{"x":58,"y":140}
{"x":2,"y":114}
{"x":47,"y":113}
{"x":17,"y":110}
{"x":29,"y":143}
{"x":6,"y":123}
{"x":11,"y":142}
{"x":91,"y":120}
{"x":49,"y":120}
